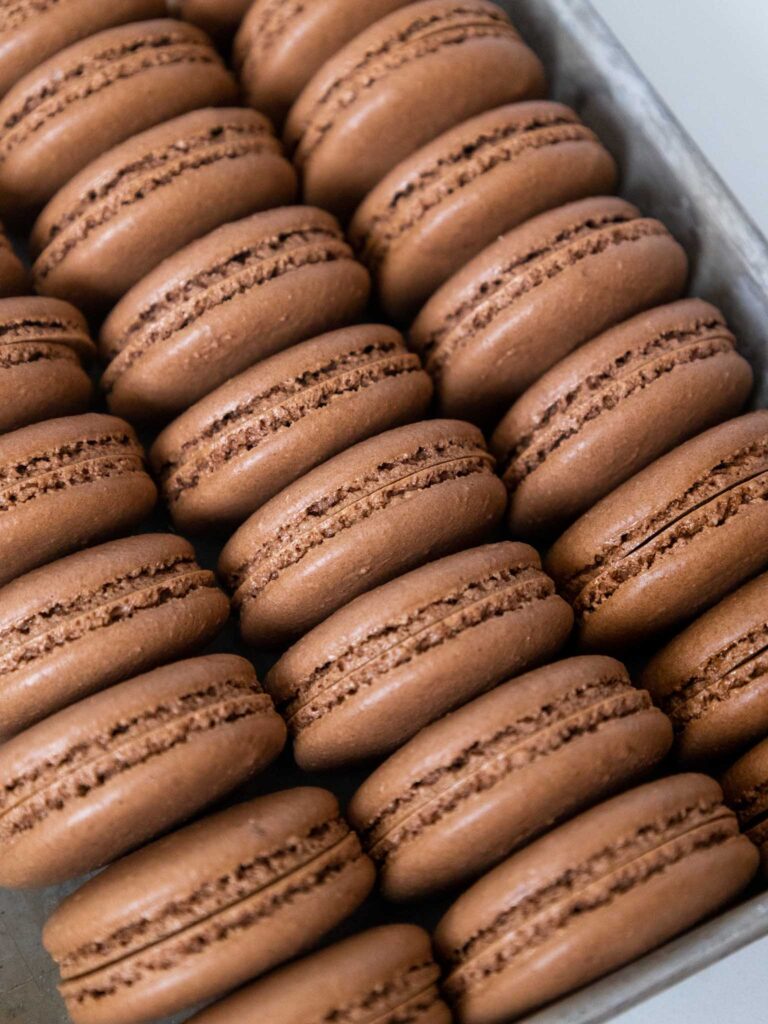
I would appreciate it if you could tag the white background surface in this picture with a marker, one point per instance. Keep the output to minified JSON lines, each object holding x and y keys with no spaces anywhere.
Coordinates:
{"x":708,"y":59}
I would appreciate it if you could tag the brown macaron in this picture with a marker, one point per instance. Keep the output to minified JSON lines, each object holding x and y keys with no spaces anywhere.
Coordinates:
{"x":43,"y":343}
{"x":538,"y":292}
{"x":385,"y":975}
{"x":399,"y":84}
{"x":614,"y":405}
{"x":150,"y":196}
{"x":382,"y":507}
{"x":219,"y":18}
{"x":89,"y":620}
{"x":280,"y":46}
{"x":14,"y":277}
{"x":31,"y":31}
{"x":240,"y":445}
{"x":442,"y":205}
{"x":203,"y":910}
{"x":240,"y":294}
{"x":712,"y":679}
{"x":370,"y":676}
{"x":66,"y":483}
{"x":746,"y":790}
{"x":102,"y":776}
{"x":672,"y":540}
{"x":479,"y":783}
{"x":598,"y":892}
{"x":96,"y":93}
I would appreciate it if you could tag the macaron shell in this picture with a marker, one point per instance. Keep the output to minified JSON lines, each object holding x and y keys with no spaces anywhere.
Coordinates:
{"x":256,"y":434}
{"x":744,"y":785}
{"x":437,"y":209}
{"x":96,"y":617}
{"x":399,"y":84}
{"x":147,"y":198}
{"x":217,"y":17}
{"x":14,"y":277}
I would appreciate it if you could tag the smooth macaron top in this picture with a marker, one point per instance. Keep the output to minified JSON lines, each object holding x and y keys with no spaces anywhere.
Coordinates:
{"x":146,"y":198}
{"x":498,"y":324}
{"x":673,"y":539}
{"x":400,"y":83}
{"x":712,"y":679}
{"x":237,"y":295}
{"x":220,"y":18}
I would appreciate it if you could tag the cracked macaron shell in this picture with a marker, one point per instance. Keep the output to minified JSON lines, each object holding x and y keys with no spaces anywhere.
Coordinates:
{"x":240,"y":445}
{"x":499,"y":323}
{"x":150,"y":196}
{"x":370,"y":676}
{"x":672,"y":540}
{"x":33,"y":30}
{"x":93,"y":618}
{"x":437,"y":209}
{"x":66,"y":483}
{"x":239,"y":294}
{"x":43,"y":344}
{"x":382,"y":507}
{"x":613,"y":406}
{"x":592,"y":895}
{"x":485,"y":780}
{"x":95,"y":94}
{"x":91,"y":782}
{"x":399,"y":84}
{"x":745,"y":785}
{"x":207,"y":908}
{"x":384,"y":975}
{"x":712,"y":679}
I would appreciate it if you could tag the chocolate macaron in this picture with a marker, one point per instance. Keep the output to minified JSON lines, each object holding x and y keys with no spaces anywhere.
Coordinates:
{"x":382,"y":507}
{"x":280,"y":46}
{"x":469,"y":789}
{"x":99,"y":616}
{"x":66,"y":483}
{"x":370,"y":676}
{"x":671,"y":541}
{"x":438,"y":208}
{"x":219,"y":18}
{"x":239,"y":294}
{"x":594,"y":894}
{"x":96,"y":93}
{"x":150,"y":196}
{"x":200,"y":911}
{"x":746,"y":790}
{"x":538,"y":292}
{"x":386,"y":975}
{"x":100,"y":777}
{"x":614,"y":405}
{"x":240,"y":445}
{"x":712,"y":679}
{"x":399,"y":84}
{"x":14,"y":277}
{"x":43,"y":343}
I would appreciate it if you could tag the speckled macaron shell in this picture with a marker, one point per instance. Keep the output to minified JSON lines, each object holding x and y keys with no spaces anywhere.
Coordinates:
{"x":31,"y":31}
{"x":95,"y":94}
{"x":746,"y":790}
{"x":219,"y":18}
{"x":280,"y":46}
{"x":537,"y":293}
{"x":93,"y":618}
{"x":207,"y":908}
{"x":485,"y":780}
{"x":239,"y":446}
{"x":240,"y":294}
{"x":612,"y":407}
{"x":596,"y":893}
{"x":385,"y":975}
{"x":399,"y":84}
{"x":382,"y":507}
{"x":671,"y":541}
{"x":65,"y":483}
{"x":91,"y":782}
{"x":370,"y":676}
{"x":14,"y":276}
{"x":438,"y":208}
{"x":150,"y":196}
{"x":712,"y":679}
{"x":43,"y":343}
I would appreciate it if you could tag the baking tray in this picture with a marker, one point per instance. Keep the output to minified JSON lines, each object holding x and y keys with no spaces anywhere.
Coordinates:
{"x":667,"y":176}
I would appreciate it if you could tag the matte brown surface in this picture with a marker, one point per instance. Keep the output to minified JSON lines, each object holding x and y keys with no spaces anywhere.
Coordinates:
{"x":365,"y":680}
{"x":14,"y":277}
{"x":746,"y":790}
{"x":220,"y":18}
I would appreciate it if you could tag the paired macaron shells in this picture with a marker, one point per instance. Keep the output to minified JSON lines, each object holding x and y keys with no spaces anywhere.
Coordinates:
{"x":746,"y":790}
